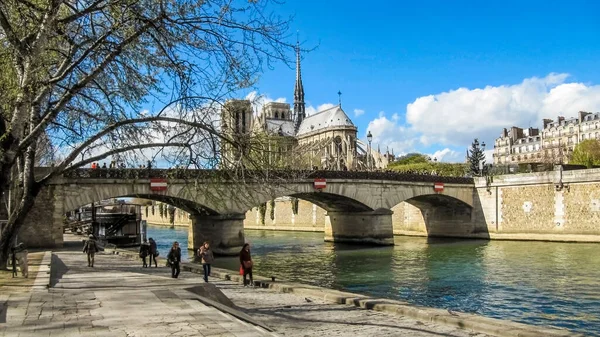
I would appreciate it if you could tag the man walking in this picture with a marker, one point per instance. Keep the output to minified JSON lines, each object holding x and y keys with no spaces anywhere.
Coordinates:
{"x":91,"y":248}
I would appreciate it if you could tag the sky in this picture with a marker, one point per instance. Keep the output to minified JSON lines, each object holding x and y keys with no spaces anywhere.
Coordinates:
{"x":430,"y":76}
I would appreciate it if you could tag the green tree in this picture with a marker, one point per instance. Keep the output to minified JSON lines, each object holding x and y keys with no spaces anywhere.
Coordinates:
{"x":171,"y":210}
{"x":586,"y":153}
{"x":476,"y":158}
{"x":81,"y":71}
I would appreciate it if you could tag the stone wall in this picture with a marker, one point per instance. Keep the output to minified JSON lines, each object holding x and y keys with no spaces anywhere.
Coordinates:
{"x":43,"y":227}
{"x":182,"y":218}
{"x":555,"y":205}
{"x":310,"y":217}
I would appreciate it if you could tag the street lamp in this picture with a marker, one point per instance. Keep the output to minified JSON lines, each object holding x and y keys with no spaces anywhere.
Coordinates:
{"x":369,"y":139}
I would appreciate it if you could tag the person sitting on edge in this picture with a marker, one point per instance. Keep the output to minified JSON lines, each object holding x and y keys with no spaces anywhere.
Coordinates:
{"x":174,"y":258}
{"x":91,"y":248}
{"x":21,"y":256}
{"x":246,"y":263}
{"x":207,"y":257}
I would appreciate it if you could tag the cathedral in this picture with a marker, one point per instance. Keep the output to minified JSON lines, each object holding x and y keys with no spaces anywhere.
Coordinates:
{"x":325,"y":140}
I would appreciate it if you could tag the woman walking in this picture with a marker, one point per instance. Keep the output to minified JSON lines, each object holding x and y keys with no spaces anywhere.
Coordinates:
{"x":246,"y":263}
{"x":153,"y":252}
{"x":174,"y":259}
{"x":207,"y":257}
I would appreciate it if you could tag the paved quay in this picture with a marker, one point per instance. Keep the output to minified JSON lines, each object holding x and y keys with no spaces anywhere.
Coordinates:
{"x":120,"y":298}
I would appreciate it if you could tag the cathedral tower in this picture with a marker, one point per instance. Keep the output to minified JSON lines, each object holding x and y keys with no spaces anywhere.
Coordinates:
{"x":299,"y":108}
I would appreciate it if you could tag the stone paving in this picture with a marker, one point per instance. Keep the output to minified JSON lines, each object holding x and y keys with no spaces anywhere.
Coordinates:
{"x":120,"y":298}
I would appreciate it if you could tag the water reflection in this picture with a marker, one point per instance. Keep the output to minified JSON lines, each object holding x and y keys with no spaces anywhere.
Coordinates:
{"x":532,"y":282}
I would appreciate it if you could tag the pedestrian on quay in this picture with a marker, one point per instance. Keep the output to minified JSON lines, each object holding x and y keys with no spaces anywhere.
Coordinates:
{"x":90,"y":248}
{"x":145,"y":252}
{"x":153,"y":252}
{"x":246,"y":264}
{"x":207,"y":257}
{"x":20,"y":253}
{"x":174,"y":258}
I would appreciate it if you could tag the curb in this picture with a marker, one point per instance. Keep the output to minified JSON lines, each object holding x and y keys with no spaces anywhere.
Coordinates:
{"x":42,"y":280}
{"x":487,"y":325}
{"x":492,"y":326}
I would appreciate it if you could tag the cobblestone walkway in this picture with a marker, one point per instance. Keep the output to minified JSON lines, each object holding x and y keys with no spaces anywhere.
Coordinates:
{"x":120,"y":298}
{"x":116,"y":298}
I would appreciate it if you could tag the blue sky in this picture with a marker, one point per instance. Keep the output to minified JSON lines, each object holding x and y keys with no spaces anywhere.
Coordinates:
{"x":432,"y":75}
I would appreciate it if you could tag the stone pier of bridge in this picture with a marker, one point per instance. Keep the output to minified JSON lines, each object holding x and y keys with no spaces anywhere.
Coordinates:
{"x":372,"y":227}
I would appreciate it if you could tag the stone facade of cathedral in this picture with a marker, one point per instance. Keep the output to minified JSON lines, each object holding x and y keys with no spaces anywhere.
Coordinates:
{"x":325,"y":140}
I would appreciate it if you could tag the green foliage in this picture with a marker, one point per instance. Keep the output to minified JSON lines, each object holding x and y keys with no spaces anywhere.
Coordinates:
{"x":412,"y":158}
{"x":586,"y":153}
{"x":442,"y":169}
{"x":476,"y":158}
{"x":295,"y":203}
{"x":161,"y":210}
{"x":171,"y":214}
{"x":272,"y":209}
{"x":262,"y":209}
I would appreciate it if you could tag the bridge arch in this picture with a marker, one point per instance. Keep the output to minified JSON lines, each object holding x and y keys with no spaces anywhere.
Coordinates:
{"x":437,"y":215}
{"x":330,"y":202}
{"x":77,"y":196}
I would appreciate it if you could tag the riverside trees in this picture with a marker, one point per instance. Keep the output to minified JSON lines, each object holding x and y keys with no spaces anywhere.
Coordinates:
{"x":108,"y":78}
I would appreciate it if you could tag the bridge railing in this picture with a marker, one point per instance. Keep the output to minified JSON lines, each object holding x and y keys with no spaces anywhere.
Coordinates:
{"x":248,"y":175}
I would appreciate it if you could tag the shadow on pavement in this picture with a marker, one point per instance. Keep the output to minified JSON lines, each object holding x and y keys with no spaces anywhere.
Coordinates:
{"x":59,"y":268}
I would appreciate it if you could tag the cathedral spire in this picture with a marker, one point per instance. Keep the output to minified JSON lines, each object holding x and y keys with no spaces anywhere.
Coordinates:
{"x":299,"y":108}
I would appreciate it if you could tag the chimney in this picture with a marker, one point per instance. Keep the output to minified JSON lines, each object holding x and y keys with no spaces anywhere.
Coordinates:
{"x":504,"y":133}
{"x":582,"y":115}
{"x":546,"y":121}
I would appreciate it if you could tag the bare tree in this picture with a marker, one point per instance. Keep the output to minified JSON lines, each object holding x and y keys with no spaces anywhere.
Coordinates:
{"x":120,"y":78}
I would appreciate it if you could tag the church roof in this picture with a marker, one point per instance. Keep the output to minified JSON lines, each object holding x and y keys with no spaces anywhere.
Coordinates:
{"x":331,"y":117}
{"x":275,"y":125}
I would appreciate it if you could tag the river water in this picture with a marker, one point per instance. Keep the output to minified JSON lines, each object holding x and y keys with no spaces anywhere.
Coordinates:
{"x":541,"y":283}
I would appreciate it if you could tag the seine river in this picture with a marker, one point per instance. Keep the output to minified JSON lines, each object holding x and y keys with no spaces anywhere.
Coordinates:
{"x":541,"y":283}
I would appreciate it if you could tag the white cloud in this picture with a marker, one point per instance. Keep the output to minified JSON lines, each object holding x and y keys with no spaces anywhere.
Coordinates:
{"x":358,"y":112}
{"x":387,"y":132}
{"x":457,"y":116}
{"x":311,"y":110}
{"x":451,"y":120}
{"x":448,"y":155}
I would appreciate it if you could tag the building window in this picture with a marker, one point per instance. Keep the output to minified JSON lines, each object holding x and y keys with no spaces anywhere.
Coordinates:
{"x":571,"y":129}
{"x":276,"y":114}
{"x":282,"y":115}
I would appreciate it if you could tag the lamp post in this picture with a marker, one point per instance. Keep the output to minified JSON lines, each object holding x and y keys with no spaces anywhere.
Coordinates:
{"x":369,"y":139}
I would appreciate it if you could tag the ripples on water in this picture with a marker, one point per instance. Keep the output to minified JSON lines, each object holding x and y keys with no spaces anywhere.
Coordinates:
{"x":538,"y":283}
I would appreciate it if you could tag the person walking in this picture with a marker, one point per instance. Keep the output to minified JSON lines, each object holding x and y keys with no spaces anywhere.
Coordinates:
{"x":246,"y":263}
{"x":145,"y":252}
{"x":153,"y":252}
{"x":21,"y":255}
{"x":91,"y":248}
{"x":207,"y":257}
{"x":174,"y":259}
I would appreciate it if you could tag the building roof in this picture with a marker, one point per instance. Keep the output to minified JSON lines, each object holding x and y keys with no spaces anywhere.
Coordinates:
{"x":275,"y":125}
{"x":331,"y":117}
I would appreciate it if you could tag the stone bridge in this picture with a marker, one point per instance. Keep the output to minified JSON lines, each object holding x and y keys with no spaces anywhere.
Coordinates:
{"x":358,"y":204}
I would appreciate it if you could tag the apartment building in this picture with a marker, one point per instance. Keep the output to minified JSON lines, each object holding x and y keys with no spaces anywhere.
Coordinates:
{"x":553,"y":145}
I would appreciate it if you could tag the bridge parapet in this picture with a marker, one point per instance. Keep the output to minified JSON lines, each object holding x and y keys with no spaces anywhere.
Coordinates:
{"x":251,"y":175}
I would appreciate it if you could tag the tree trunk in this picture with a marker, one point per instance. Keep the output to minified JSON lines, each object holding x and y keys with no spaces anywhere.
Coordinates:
{"x":15,"y":221}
